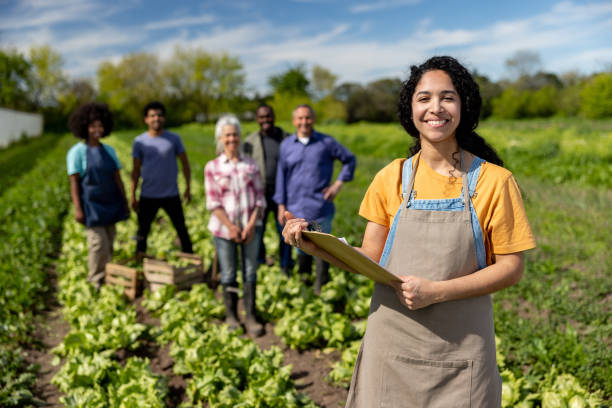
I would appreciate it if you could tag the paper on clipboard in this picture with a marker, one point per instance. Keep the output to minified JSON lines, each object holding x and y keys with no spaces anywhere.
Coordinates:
{"x":357,"y":261}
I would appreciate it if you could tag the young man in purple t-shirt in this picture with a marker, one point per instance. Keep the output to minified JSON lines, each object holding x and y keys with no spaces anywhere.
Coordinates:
{"x":154,"y":153}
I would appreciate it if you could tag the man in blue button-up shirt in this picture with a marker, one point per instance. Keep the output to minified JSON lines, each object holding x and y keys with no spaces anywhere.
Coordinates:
{"x":303,"y":177}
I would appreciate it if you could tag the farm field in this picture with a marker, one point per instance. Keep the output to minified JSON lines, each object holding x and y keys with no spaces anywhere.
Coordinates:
{"x":554,"y":329}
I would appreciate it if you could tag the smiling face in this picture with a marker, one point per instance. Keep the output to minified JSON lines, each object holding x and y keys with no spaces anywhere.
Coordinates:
{"x":436,"y":108}
{"x":95,"y":131}
{"x":303,"y":120}
{"x":230,"y":138}
{"x":265,"y":118}
{"x":155,"y":120}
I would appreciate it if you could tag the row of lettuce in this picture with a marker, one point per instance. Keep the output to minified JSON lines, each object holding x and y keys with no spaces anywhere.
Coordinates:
{"x":221,"y":368}
{"x":33,"y":203}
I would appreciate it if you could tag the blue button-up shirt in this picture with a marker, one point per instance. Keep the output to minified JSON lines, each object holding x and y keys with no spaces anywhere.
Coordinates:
{"x":305,"y":170}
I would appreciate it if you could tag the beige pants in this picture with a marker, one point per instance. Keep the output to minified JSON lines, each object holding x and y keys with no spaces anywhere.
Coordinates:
{"x":100,"y":243}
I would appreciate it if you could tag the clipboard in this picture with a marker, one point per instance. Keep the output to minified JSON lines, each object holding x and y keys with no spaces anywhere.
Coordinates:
{"x":354,"y":259}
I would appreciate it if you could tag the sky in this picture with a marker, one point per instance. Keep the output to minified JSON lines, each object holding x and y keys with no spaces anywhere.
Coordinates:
{"x":359,"y":41}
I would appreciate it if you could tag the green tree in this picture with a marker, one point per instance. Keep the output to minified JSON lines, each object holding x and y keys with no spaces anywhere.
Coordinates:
{"x":48,"y":80}
{"x":130,"y":84}
{"x":511,"y":104}
{"x":291,"y":82}
{"x":203,"y":83}
{"x":568,"y":103}
{"x":596,"y":96}
{"x":488,"y":91}
{"x":522,"y":63}
{"x":543,"y":102}
{"x":78,"y":92}
{"x":14,"y":80}
{"x":323,"y":82}
{"x":377,"y":102}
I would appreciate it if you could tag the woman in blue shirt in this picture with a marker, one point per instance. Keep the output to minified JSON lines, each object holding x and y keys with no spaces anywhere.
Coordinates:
{"x":96,"y":188}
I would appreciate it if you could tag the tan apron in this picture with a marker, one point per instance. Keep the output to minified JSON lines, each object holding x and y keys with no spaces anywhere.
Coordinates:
{"x":442,"y":355}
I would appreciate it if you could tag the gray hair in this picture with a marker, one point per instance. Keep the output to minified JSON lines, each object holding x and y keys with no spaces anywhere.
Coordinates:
{"x":224,"y":120}
{"x":304,"y":105}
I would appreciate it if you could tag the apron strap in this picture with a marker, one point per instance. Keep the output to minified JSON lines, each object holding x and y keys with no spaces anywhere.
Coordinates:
{"x":472,"y":177}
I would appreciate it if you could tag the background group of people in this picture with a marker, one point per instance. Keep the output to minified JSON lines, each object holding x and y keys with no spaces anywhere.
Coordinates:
{"x":270,"y":172}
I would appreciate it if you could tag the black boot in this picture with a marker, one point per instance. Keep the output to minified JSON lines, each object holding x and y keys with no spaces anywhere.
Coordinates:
{"x":230,"y":299}
{"x":254,"y":328}
{"x":286,"y":271}
{"x":304,"y":264}
{"x":322,"y":275}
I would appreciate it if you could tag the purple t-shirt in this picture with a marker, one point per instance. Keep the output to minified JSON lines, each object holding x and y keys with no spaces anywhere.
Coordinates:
{"x":159,"y":169}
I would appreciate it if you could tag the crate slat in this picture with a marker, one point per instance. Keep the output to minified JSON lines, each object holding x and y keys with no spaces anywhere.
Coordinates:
{"x":160,"y":273}
{"x":124,"y":276}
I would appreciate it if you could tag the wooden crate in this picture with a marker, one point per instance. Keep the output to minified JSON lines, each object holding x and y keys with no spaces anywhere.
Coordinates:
{"x":129,"y":278}
{"x":161,"y":273}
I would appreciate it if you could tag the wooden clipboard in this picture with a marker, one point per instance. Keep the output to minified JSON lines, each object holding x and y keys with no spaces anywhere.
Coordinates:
{"x":355,"y":260}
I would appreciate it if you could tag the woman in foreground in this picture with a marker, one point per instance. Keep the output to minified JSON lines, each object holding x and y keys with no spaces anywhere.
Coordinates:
{"x":450,"y":223}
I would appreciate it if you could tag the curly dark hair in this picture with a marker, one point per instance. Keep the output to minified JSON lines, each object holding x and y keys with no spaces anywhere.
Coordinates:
{"x":85,"y":114}
{"x":471,"y":103}
{"x":155,"y":105}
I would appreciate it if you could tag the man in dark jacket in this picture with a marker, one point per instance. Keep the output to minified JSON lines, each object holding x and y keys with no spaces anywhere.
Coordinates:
{"x":263,"y":146}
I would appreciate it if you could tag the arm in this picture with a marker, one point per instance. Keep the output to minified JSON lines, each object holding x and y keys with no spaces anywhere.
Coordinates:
{"x":349,"y":162}
{"x":187,"y":174}
{"x":135,"y":178}
{"x":249,"y":230}
{"x":416,"y":293}
{"x":214,"y":202}
{"x":372,"y":246}
{"x":75,"y":194}
{"x":260,"y":204}
{"x":280,"y":193}
{"x":234,"y":231}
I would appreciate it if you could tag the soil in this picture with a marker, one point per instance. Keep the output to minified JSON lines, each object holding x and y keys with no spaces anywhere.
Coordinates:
{"x":50,"y":330}
{"x":310,"y":367}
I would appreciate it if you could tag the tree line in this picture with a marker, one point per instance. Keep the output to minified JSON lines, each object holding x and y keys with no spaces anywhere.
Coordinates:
{"x":197,"y":85}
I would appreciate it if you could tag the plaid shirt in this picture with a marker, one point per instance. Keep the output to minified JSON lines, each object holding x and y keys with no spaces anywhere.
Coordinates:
{"x":234,"y":186}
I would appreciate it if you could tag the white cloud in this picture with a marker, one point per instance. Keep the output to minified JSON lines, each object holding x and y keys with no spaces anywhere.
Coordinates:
{"x":42,"y":13}
{"x":381,"y":5}
{"x":180,"y":22}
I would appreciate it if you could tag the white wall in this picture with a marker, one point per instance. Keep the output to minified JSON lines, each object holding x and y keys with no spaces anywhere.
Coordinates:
{"x":14,"y":124}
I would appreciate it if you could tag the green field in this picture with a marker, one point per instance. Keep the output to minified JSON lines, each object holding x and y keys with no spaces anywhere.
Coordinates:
{"x":555,"y":321}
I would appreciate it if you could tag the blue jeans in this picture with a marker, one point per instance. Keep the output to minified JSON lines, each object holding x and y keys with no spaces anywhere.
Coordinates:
{"x":227,"y":251}
{"x":325,"y":227}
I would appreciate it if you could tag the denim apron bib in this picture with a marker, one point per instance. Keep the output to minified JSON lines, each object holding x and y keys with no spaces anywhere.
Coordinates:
{"x":101,"y":198}
{"x":442,"y":355}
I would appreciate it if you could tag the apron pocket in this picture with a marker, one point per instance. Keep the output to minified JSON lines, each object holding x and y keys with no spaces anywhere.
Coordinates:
{"x":411,"y":382}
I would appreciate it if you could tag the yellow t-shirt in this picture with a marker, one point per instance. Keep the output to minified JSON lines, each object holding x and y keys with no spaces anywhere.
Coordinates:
{"x":497,"y":202}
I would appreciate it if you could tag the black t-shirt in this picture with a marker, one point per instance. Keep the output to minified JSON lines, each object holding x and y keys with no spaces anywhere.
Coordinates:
{"x":271,"y":147}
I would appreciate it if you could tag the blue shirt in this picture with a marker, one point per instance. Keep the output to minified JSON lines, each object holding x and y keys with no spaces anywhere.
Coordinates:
{"x":76,"y":159}
{"x":158,"y":158}
{"x":305,"y":170}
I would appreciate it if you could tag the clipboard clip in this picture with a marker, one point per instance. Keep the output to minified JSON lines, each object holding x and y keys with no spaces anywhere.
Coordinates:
{"x":314,"y":226}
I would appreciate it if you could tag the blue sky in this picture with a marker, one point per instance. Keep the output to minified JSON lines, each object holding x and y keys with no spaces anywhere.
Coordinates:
{"x":357,"y":40}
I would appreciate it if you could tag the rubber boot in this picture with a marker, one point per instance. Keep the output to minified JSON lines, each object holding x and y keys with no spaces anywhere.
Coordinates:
{"x":230,"y":299}
{"x":253,"y":327}
{"x":322,"y":275}
{"x":286,"y":271}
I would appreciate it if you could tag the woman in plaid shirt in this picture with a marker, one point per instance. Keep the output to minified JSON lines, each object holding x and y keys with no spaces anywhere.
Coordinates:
{"x":235,"y":198}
